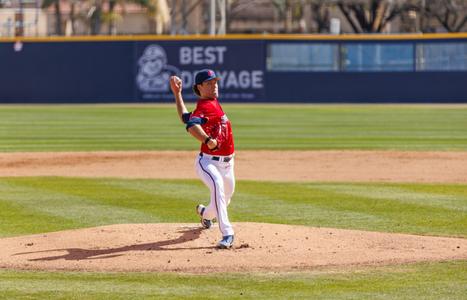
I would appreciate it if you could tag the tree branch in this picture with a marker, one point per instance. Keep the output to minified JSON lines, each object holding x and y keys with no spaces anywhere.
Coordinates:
{"x":378,"y":19}
{"x":446,"y":18}
{"x":374,"y":8}
{"x":359,"y":12}
{"x":442,"y":22}
{"x":394,"y":13}
{"x":459,"y":27}
{"x":345,"y":11}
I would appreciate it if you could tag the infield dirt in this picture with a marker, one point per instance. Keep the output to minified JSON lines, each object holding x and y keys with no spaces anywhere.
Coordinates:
{"x":343,"y":166}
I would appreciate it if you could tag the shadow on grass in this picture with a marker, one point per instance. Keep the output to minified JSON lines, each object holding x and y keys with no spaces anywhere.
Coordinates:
{"x":81,"y":254}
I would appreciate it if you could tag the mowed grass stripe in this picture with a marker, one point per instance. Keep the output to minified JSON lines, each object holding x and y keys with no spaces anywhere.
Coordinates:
{"x":346,"y":206}
{"x":66,"y":210}
{"x":431,"y":209}
{"x":275,"y":127}
{"x":397,"y":194}
{"x":17,"y":219}
{"x":445,"y":280}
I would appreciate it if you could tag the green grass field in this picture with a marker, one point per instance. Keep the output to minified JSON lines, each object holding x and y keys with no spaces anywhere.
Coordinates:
{"x":156,"y":127}
{"x":42,"y":204}
{"x":435,"y":281}
{"x":55,"y":203}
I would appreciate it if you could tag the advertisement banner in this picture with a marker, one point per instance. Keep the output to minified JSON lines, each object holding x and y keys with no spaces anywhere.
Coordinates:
{"x":239,"y":64}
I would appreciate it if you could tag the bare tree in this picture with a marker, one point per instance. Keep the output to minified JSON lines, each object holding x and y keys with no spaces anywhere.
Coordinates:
{"x":321,"y":15}
{"x":158,"y":13}
{"x":235,"y":8}
{"x":111,"y":17}
{"x":73,"y":16}
{"x":289,"y":13}
{"x":238,"y":10}
{"x":180,"y":10}
{"x":281,"y":8}
{"x":371,"y":15}
{"x":95,"y":15}
{"x":58,"y":14}
{"x":297,"y":15}
{"x":451,"y":14}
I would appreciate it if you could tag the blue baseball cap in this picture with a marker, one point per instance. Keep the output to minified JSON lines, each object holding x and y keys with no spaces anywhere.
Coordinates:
{"x":205,"y":75}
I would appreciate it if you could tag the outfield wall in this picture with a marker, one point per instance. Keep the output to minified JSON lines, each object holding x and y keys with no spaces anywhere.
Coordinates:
{"x":253,"y":68}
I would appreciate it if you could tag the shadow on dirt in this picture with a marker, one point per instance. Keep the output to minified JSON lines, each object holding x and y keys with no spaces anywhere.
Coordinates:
{"x":81,"y":254}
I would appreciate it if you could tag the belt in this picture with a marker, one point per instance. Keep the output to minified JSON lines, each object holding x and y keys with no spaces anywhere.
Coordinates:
{"x":217,"y":158}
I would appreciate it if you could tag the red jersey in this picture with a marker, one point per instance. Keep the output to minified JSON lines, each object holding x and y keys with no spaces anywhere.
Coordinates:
{"x":218,"y":126}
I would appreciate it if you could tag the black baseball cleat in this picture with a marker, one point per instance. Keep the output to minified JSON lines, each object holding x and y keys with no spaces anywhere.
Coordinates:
{"x":204,"y":222}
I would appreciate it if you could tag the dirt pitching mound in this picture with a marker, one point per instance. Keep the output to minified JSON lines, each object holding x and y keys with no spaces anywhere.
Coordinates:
{"x":188,"y":248}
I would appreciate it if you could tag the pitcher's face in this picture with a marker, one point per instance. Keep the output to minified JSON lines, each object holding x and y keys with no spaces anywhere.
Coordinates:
{"x":209,"y":89}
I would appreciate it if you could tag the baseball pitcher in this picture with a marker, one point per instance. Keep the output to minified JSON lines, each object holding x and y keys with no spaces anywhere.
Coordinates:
{"x":215,"y":163}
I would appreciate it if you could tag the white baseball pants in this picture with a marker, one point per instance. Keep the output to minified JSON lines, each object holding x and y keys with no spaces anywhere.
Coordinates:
{"x":220,"y":179}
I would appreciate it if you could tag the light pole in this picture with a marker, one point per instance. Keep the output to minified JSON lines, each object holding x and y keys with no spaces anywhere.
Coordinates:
{"x":212,"y":22}
{"x":212,"y":17}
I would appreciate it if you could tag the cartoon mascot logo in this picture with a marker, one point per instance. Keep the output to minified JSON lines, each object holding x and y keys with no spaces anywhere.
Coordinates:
{"x":153,"y":72}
